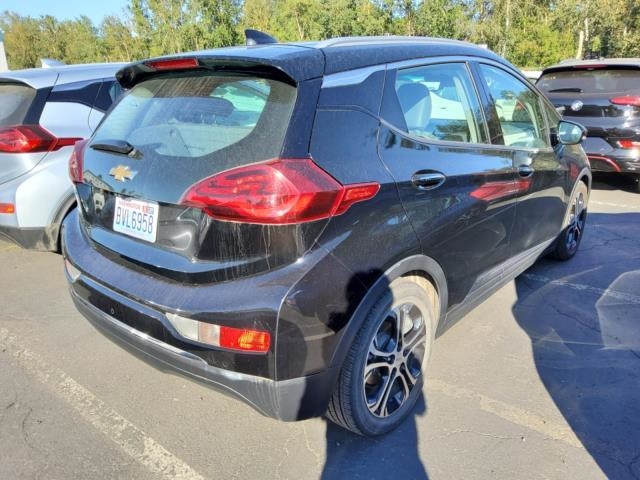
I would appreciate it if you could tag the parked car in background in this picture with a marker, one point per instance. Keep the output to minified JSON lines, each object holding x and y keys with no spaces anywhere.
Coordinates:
{"x":604,"y":96}
{"x":532,"y":75}
{"x":43,"y":112}
{"x":295,"y":224}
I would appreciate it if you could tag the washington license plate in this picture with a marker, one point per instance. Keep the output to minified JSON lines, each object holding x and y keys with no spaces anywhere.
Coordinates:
{"x":136,"y":218}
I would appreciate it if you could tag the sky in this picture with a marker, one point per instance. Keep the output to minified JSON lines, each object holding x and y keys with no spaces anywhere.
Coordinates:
{"x":96,"y":10}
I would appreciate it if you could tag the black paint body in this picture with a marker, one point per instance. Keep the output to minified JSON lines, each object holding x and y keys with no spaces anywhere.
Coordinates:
{"x":310,"y":284}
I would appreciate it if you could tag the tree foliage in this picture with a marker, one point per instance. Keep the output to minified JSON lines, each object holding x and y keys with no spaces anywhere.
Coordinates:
{"x":530,"y":33}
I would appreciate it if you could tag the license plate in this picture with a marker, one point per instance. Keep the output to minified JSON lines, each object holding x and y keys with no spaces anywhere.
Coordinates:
{"x":136,"y":218}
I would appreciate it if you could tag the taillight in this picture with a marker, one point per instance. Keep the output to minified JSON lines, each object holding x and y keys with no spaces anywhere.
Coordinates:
{"x":30,"y":139}
{"x":628,"y":144}
{"x":173,"y":64}
{"x":632,"y":100}
{"x":7,"y":208}
{"x":241,"y":339}
{"x":280,"y":191}
{"x":76,"y":162}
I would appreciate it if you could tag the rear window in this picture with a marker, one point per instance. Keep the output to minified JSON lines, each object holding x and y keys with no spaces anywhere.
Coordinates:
{"x":609,"y":80}
{"x":15,"y":100}
{"x":196,"y":116}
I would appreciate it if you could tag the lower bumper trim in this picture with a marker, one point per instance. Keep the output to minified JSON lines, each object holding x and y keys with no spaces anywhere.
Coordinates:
{"x":287,"y":400}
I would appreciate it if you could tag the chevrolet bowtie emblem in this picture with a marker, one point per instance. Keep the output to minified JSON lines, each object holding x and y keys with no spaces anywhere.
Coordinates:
{"x":122,"y":173}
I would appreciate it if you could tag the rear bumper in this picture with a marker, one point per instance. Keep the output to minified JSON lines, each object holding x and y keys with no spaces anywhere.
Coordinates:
{"x":31,"y":238}
{"x":286,"y":400}
{"x":610,"y":163}
{"x":130,"y":306}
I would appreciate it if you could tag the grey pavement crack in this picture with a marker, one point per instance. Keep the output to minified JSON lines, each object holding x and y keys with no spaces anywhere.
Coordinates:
{"x":575,"y":319}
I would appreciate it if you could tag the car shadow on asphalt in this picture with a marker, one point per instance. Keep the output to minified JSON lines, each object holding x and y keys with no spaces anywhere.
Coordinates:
{"x":583,"y":319}
{"x":394,"y":455}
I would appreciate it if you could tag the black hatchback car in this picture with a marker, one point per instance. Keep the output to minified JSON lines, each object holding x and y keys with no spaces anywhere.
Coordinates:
{"x":604,"y":96}
{"x":294,"y":224}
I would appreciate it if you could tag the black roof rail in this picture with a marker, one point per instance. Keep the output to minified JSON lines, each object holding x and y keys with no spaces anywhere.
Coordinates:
{"x":256,"y":37}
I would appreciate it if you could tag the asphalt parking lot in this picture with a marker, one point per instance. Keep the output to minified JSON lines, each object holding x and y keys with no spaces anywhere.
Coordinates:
{"x":541,"y":381}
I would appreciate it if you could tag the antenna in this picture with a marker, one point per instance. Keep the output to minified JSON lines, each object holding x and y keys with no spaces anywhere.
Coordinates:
{"x":256,"y":37}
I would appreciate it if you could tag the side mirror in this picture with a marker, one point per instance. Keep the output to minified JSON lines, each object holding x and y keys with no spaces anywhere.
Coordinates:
{"x":570,"y":133}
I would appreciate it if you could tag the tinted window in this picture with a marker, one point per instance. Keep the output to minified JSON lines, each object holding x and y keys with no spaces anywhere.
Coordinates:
{"x":198,"y":115}
{"x":609,"y":80}
{"x":438,"y":102}
{"x":518,"y":108}
{"x":15,"y":100}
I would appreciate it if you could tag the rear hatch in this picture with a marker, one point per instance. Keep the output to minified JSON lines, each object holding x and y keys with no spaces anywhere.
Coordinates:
{"x":22,"y":143}
{"x":179,"y":178}
{"x":603,"y":98}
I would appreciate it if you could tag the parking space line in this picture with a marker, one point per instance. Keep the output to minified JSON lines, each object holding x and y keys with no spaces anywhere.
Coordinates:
{"x":601,"y":292}
{"x":135,"y":443}
{"x":509,"y":412}
{"x":618,"y":205}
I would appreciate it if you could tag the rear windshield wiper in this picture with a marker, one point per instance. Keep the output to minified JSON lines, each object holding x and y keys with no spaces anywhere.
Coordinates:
{"x":116,"y":146}
{"x":566,"y":89}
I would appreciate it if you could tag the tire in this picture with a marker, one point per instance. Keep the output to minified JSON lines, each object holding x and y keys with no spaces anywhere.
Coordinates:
{"x":569,"y":240}
{"x":637,"y":180}
{"x":382,"y":377}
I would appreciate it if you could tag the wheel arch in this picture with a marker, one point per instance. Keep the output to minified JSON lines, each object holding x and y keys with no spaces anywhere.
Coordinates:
{"x":415,"y":265}
{"x":56,"y":225}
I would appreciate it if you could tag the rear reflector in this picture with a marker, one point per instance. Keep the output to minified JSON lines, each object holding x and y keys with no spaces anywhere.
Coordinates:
{"x":628,"y":144}
{"x":76,"y":162}
{"x":173,"y":64}
{"x":626,"y":100}
{"x":30,"y":139}
{"x":240,"y":339}
{"x":7,"y":208}
{"x":277,"y":192}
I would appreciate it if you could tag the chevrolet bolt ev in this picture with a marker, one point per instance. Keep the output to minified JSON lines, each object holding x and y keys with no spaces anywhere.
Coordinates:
{"x":43,"y":112}
{"x":604,"y":96}
{"x":294,"y":224}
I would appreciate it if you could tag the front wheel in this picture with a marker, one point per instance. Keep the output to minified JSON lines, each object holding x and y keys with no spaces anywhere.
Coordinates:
{"x":382,"y":376}
{"x":570,"y":238}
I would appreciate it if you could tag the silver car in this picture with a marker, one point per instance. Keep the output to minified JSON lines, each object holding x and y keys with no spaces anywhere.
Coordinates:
{"x":43,"y":112}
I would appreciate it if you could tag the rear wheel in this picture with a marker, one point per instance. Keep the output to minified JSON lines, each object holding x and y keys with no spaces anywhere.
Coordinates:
{"x":570,"y":238}
{"x":382,"y":377}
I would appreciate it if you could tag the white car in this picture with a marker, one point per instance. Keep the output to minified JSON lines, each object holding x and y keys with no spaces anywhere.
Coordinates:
{"x":43,"y":112}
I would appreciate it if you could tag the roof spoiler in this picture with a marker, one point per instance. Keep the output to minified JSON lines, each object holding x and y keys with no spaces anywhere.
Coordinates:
{"x":256,"y":37}
{"x":50,"y":62}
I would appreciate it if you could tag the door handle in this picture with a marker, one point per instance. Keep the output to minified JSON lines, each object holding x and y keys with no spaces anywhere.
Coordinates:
{"x":525,"y":171}
{"x":427,"y":181}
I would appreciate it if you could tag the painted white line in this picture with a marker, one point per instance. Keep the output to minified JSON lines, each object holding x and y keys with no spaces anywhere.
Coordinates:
{"x":619,"y":205}
{"x":135,"y":443}
{"x":508,"y":412}
{"x":602,"y":292}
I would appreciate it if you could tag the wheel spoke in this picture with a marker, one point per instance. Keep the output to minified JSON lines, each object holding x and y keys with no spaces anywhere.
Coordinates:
{"x":417,"y":340}
{"x":373,"y":366}
{"x":376,"y":352}
{"x":400,"y":315}
{"x":409,"y":376}
{"x":380,"y":405}
{"x":405,"y":385}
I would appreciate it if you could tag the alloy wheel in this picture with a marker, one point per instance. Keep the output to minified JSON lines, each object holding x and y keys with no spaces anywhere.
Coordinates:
{"x":577,"y":219}
{"x":394,"y":362}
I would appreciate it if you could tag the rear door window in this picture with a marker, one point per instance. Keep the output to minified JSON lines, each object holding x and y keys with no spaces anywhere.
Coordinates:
{"x":518,"y":108}
{"x":438,"y":102}
{"x":598,"y":80}
{"x":15,"y":100}
{"x":195,"y":116}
